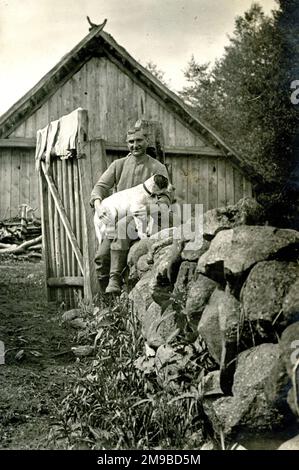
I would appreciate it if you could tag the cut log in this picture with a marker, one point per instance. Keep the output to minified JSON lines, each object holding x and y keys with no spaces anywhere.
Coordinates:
{"x":35,"y":247}
{"x":66,"y":281}
{"x":15,"y":249}
{"x":7,"y":245}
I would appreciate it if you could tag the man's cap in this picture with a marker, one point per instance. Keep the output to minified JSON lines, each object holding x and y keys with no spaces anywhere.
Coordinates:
{"x":132,"y":132}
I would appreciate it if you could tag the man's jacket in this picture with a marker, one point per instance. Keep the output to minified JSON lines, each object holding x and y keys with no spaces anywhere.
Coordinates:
{"x":124,"y":173}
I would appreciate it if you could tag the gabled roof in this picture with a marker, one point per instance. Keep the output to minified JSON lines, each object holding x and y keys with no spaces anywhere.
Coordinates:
{"x":95,"y":43}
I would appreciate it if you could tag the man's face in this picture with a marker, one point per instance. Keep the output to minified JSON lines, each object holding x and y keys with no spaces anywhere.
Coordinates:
{"x":137,"y":144}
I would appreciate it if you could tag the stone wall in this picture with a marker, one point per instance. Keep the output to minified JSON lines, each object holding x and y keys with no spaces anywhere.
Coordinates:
{"x":229,"y":303}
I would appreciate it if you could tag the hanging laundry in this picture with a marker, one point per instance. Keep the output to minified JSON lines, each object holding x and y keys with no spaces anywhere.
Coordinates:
{"x":59,"y":138}
{"x":41,"y":144}
{"x":53,"y":133}
{"x":66,"y":142}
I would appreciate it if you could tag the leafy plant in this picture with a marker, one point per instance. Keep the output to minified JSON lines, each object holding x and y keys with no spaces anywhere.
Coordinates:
{"x":112,"y":404}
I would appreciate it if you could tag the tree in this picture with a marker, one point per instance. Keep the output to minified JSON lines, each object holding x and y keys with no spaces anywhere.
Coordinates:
{"x":158,"y":73}
{"x":246,"y":94}
{"x":198,"y":92}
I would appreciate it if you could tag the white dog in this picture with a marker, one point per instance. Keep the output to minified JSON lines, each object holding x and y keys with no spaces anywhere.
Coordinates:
{"x":135,"y":202}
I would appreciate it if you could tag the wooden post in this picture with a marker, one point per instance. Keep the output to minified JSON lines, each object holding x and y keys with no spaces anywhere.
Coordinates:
{"x":23,"y":216}
{"x":90,"y":164}
{"x":45,"y":232}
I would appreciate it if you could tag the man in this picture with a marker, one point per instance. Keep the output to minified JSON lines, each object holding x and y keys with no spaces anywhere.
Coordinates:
{"x":123,"y":173}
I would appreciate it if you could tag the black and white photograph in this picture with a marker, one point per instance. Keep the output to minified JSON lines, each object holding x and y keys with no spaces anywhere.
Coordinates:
{"x":149,"y":228}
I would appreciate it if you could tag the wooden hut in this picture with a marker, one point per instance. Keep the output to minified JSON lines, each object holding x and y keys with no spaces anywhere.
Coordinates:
{"x":101,"y":77}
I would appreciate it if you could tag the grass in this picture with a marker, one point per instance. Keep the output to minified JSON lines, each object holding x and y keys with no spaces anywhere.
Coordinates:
{"x":114,"y":405}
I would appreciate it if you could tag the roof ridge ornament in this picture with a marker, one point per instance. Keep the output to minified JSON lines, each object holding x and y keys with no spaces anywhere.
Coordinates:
{"x":93,"y":25}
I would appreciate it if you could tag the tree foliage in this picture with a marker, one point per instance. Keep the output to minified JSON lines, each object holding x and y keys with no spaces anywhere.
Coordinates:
{"x":245,"y":95}
{"x":158,"y":73}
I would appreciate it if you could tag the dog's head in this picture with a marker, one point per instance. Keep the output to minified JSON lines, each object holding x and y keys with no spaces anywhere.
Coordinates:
{"x":160,"y":181}
{"x":160,"y":185}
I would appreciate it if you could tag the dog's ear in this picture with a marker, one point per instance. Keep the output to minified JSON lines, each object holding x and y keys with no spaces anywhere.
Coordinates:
{"x":161,"y":181}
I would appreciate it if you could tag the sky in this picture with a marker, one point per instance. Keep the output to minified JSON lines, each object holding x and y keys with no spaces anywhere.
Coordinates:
{"x":36,"y":34}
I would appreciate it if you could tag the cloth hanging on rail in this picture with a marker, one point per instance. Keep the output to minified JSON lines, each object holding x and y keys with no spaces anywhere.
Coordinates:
{"x":58,"y":138}
{"x":53,"y":132}
{"x":66,"y":141}
{"x":41,"y":145}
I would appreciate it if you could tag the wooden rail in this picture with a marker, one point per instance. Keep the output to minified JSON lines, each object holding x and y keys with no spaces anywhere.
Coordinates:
{"x":117,"y":147}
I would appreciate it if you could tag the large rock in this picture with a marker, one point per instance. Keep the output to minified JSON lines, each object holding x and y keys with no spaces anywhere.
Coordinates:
{"x":220,"y":323}
{"x":293,"y":400}
{"x":78,"y":323}
{"x":211,"y":263}
{"x":164,"y":234}
{"x":264,"y":291}
{"x":230,"y":316}
{"x":137,"y":250}
{"x":157,"y":327}
{"x":191,"y":229}
{"x":209,"y":328}
{"x":160,"y":285}
{"x":291,"y":444}
{"x":194,"y":249}
{"x":248,"y":409}
{"x":157,"y":249}
{"x":262,"y":369}
{"x":245,"y":415}
{"x":254,"y":368}
{"x":233,"y":252}
{"x":186,"y":237}
{"x":211,"y":384}
{"x":246,"y":212}
{"x":141,"y":295}
{"x":278,"y":387}
{"x":290,"y":306}
{"x":289,"y":346}
{"x":165,"y":273}
{"x":142,"y":266}
{"x":184,"y":278}
{"x":152,"y":316}
{"x":199,"y":293}
{"x":70,"y":315}
{"x":179,"y":296}
{"x":231,"y":325}
{"x":181,"y":287}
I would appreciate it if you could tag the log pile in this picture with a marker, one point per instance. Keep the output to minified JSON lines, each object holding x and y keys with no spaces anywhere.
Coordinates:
{"x":21,"y":235}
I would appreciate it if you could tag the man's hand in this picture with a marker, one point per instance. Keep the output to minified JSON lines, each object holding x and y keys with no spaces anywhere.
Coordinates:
{"x":97,"y":206}
{"x":102,"y":213}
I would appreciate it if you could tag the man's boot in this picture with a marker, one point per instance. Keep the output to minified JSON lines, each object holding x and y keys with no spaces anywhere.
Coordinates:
{"x":103,"y":283}
{"x":118,"y":263}
{"x":102,"y":264}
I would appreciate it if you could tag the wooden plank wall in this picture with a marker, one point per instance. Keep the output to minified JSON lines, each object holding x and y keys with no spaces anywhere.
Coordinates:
{"x":60,"y":258}
{"x":18,"y":181}
{"x":212,"y":182}
{"x":114,"y":101}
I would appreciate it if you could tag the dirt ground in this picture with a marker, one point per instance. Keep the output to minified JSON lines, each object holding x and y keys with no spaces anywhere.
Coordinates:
{"x":38,"y":360}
